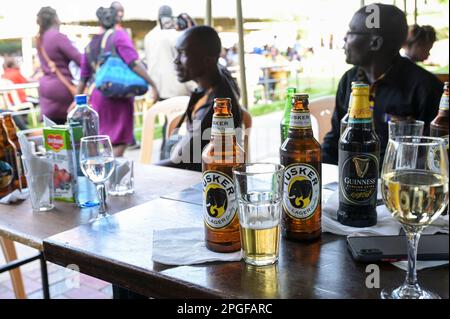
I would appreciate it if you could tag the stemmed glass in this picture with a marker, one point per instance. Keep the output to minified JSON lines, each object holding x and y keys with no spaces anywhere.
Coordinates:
{"x":414,"y":181}
{"x":97,"y":164}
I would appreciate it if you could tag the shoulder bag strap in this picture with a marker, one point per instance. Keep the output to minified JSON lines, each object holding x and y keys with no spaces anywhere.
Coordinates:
{"x":54,"y":69}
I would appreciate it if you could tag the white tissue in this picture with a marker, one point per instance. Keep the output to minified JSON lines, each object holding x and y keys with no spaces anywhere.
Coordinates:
{"x":14,"y":196}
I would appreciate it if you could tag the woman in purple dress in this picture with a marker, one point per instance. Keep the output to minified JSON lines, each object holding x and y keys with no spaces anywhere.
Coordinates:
{"x":54,"y":96}
{"x":115,"y":114}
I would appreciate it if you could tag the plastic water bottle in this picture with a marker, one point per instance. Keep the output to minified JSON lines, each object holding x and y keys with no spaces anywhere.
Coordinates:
{"x":83,"y":121}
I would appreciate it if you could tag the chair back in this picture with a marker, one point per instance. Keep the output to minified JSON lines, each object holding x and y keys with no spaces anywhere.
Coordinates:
{"x":10,"y":100}
{"x":321,"y":110}
{"x":172,"y":109}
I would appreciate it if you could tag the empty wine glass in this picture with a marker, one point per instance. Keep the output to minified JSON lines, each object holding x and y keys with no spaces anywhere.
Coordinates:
{"x":97,"y":163}
{"x":414,"y":185}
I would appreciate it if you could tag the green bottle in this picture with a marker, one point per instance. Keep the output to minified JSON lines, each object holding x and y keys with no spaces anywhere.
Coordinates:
{"x":284,"y":125}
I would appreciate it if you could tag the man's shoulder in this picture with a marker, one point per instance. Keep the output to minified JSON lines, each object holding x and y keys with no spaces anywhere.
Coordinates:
{"x":350,"y":74}
{"x":410,"y":71}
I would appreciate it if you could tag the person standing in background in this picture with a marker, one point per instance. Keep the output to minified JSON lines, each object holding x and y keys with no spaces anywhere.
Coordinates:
{"x":160,"y":53}
{"x":120,"y":10}
{"x":55,"y":97}
{"x":115,"y":114}
{"x":419,"y":42}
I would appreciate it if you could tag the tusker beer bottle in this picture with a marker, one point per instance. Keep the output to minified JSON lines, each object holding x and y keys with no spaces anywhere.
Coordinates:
{"x":359,"y":161}
{"x":439,"y":126}
{"x":8,"y":158}
{"x":284,"y":125}
{"x":301,"y":156}
{"x":11,"y":132}
{"x":219,"y":198}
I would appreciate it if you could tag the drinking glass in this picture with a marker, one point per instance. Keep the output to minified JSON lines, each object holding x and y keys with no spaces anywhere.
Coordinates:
{"x":405,"y":128}
{"x":414,"y":185}
{"x":97,"y":164}
{"x":259,"y":191}
{"x":121,"y":181}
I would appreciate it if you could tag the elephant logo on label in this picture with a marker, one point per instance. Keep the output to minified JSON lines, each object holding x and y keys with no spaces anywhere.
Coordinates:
{"x":216,"y":201}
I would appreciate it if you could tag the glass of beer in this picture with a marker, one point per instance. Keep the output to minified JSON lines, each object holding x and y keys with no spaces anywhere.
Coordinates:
{"x":414,"y":185}
{"x":259,"y":190}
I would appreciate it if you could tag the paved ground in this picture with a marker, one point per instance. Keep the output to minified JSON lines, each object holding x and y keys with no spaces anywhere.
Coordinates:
{"x":65,"y":284}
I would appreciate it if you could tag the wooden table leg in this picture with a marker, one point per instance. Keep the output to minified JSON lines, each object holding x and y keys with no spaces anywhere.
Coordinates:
{"x":16,"y":277}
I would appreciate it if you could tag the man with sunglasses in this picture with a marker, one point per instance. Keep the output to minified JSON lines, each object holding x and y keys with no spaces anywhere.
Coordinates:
{"x":399,"y":89}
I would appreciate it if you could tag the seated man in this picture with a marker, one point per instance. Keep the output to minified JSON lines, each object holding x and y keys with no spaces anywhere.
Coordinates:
{"x":399,"y":88}
{"x":198,"y":51}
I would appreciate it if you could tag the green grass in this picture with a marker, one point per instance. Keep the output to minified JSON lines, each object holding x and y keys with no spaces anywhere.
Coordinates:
{"x":315,"y":87}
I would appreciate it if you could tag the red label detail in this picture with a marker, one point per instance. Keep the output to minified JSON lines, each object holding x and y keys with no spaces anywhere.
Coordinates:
{"x":55,"y":142}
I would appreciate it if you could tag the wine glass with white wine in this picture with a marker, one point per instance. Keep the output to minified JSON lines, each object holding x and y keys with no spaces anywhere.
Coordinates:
{"x":97,"y":163}
{"x":414,"y":185}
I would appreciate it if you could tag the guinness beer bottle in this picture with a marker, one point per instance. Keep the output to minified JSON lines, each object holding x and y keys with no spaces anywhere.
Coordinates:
{"x":219,"y":197}
{"x":359,"y":160}
{"x":284,"y":125}
{"x":301,"y":156}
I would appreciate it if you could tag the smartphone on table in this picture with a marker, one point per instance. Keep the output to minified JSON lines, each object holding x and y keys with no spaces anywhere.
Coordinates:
{"x":394,"y":248}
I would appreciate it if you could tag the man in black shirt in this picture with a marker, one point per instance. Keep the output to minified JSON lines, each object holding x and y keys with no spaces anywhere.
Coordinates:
{"x":399,"y":88}
{"x":197,"y":59}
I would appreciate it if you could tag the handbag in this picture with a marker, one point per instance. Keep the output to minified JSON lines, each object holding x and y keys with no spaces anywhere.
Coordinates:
{"x":54,"y":69}
{"x":114,"y":78}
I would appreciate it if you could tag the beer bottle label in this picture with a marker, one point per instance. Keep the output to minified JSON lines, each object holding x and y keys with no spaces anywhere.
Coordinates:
{"x":301,"y":190}
{"x":6,"y":174}
{"x":219,"y":199}
{"x":358,"y":178}
{"x":222,"y":125}
{"x":443,"y":105}
{"x":300,"y":119}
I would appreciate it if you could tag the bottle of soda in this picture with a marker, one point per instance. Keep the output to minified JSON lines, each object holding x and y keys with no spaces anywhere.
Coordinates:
{"x":284,"y":125}
{"x":83,"y":121}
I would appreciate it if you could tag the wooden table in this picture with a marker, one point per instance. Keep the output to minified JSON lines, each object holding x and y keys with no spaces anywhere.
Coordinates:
{"x":19,"y":223}
{"x":119,"y":250}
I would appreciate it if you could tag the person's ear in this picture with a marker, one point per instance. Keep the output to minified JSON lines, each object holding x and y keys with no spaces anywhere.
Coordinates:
{"x":376,"y":43}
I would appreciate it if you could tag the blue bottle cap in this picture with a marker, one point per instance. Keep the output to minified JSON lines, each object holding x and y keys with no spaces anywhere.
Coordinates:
{"x":81,"y":99}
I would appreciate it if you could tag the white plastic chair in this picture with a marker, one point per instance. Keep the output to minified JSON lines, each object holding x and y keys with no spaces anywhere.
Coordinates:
{"x":322,"y":110}
{"x":172,"y":109}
